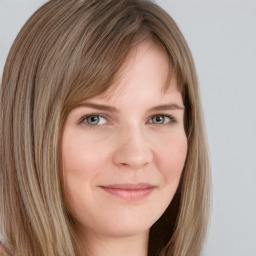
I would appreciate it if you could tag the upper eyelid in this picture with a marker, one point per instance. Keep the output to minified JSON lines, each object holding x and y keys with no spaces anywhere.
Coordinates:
{"x":174,"y":120}
{"x":92,"y":114}
{"x":163,"y":114}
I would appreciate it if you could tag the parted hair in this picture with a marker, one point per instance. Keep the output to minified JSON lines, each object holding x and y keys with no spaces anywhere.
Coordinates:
{"x":68,"y":51}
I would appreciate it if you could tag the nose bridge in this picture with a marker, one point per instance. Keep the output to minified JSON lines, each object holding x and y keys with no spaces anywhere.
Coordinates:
{"x":133,"y":149}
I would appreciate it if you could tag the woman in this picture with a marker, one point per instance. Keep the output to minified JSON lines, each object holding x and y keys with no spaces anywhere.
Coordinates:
{"x":102,"y":149}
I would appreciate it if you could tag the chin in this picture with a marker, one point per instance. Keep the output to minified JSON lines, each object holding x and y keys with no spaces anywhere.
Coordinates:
{"x":125,"y":223}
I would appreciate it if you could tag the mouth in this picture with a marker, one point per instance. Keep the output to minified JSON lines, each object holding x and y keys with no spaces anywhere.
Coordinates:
{"x":129,"y":191}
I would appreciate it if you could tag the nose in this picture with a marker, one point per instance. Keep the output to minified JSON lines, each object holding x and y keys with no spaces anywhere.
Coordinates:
{"x":133,"y":150}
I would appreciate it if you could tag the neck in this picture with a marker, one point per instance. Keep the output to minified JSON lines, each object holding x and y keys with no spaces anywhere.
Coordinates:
{"x":99,"y":245}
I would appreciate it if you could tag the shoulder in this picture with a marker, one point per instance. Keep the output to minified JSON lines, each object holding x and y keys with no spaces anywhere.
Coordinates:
{"x":3,"y":251}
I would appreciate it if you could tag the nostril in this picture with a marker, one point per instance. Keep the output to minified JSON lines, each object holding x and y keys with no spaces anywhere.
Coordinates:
{"x":124,"y":164}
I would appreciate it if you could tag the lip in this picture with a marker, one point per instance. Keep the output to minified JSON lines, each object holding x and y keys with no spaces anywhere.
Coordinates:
{"x":129,"y":191}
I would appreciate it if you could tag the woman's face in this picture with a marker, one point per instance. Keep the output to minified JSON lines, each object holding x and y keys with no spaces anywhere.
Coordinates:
{"x":123,"y":151}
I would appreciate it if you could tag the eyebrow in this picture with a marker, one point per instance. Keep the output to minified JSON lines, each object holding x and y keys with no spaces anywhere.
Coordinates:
{"x":170,"y":106}
{"x":97,"y":106}
{"x":108,"y":108}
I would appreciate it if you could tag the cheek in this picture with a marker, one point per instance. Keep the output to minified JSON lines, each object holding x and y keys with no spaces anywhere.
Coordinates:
{"x":81,"y":156}
{"x":80,"y":167}
{"x":171,"y":159}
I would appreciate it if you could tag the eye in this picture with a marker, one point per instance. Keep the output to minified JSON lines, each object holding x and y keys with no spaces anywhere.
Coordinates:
{"x":162,"y":119}
{"x":94,"y":120}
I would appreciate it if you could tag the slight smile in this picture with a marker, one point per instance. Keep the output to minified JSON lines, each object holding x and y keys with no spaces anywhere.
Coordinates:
{"x":129,"y":191}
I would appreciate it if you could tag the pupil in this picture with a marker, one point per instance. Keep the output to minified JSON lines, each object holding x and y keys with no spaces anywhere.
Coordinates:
{"x":159,"y":119}
{"x":93,"y":120}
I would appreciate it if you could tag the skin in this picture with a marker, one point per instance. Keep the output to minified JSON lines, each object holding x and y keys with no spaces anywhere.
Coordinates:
{"x":127,"y":145}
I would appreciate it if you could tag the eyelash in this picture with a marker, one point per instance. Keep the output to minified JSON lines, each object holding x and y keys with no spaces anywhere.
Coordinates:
{"x":83,"y":119}
{"x":172,"y":119}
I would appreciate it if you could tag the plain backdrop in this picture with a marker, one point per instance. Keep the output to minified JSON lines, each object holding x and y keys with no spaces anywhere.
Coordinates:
{"x":222,"y":38}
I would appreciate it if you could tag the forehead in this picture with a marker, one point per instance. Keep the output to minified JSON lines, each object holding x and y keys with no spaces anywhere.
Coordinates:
{"x":147,"y":67}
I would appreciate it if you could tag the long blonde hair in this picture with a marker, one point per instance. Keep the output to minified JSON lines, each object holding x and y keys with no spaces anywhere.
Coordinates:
{"x":66,"y":52}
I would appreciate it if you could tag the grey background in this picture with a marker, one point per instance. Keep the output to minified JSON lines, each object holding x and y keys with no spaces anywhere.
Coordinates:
{"x":222,"y":38}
